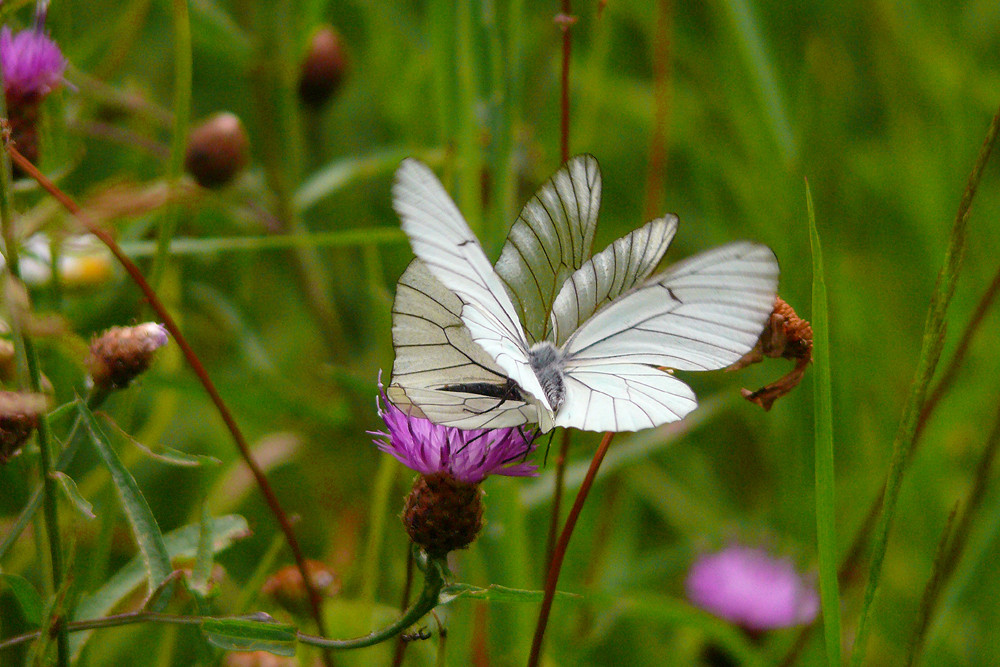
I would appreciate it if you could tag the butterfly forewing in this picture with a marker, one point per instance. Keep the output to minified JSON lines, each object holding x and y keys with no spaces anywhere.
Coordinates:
{"x":610,"y":273}
{"x":702,"y":314}
{"x":550,"y":240}
{"x":443,"y":241}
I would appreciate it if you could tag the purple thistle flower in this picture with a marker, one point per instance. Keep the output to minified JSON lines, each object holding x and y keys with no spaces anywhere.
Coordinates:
{"x":32,"y":63}
{"x":468,"y":456}
{"x":753,"y":589}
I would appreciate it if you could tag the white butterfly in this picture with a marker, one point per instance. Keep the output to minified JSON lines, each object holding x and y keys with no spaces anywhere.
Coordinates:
{"x":550,"y":336}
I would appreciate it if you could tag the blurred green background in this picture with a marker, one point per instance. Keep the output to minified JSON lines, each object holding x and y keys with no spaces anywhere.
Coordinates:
{"x":714,"y":111}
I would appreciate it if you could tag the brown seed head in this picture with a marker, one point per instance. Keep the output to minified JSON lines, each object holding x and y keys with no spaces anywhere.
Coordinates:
{"x":217,"y":150}
{"x":122,"y":353}
{"x":323,"y":69}
{"x":442,"y":514}
{"x":287,"y":589}
{"x":19,"y":415}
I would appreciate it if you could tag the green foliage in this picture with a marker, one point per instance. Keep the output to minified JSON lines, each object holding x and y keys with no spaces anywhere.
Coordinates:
{"x":282,"y":281}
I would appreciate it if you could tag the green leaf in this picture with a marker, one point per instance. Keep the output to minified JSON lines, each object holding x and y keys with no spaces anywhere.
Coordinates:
{"x":167,"y":455}
{"x":338,"y":175}
{"x":202,"y":571}
{"x":260,"y":633}
{"x":826,"y":533}
{"x":181,"y":544}
{"x":73,"y":494}
{"x":27,"y":597}
{"x":496,"y":593}
{"x":140,"y":517}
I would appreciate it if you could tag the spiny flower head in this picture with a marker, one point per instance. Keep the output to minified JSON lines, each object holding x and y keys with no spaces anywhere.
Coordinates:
{"x":468,"y":456}
{"x":753,"y":589}
{"x":32,"y":63}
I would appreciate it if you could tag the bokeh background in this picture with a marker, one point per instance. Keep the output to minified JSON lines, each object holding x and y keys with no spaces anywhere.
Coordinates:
{"x":715,"y":111}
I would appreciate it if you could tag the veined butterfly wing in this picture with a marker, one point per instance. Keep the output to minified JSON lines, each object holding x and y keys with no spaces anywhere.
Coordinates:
{"x":439,"y":372}
{"x":551,"y":239}
{"x":441,"y":238}
{"x":610,"y":273}
{"x":703,"y":313}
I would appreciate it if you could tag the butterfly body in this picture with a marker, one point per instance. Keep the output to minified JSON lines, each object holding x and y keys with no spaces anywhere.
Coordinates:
{"x":555,"y":336}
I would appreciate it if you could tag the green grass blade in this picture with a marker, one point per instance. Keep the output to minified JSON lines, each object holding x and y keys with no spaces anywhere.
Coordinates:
{"x":140,"y":517}
{"x":826,"y":534}
{"x":930,"y":352}
{"x":761,"y":70}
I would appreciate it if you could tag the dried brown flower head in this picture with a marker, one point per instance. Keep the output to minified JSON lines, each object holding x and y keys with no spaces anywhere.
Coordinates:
{"x":122,"y":353}
{"x":19,"y":415}
{"x":785,"y":335}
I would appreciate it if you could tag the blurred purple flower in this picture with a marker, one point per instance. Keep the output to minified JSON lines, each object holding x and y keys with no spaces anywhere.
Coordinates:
{"x":32,"y":63}
{"x":753,"y":589}
{"x":468,"y":456}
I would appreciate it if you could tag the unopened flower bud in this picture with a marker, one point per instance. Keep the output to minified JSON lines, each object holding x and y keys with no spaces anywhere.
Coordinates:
{"x":442,"y":514}
{"x":8,"y":360}
{"x":19,"y":415}
{"x":288,"y":590}
{"x":122,"y":353}
{"x":323,"y":69}
{"x":217,"y":150}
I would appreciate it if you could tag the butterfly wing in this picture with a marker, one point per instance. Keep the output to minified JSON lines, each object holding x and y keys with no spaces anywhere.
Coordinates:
{"x":436,"y":358}
{"x":443,"y":241}
{"x":701,"y":314}
{"x":609,"y":274}
{"x":550,"y":240}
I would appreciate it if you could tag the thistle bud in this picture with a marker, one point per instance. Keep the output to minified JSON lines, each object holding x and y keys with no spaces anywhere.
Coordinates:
{"x":122,"y":353}
{"x":19,"y":415}
{"x":288,"y":590}
{"x":443,"y":514}
{"x":217,"y":150}
{"x":323,"y":69}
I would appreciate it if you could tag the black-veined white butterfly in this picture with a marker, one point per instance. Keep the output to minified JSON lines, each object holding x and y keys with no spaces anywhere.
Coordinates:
{"x":551,"y":335}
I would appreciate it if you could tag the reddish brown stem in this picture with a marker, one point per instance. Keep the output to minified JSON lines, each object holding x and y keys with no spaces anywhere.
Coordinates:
{"x":559,"y":554}
{"x":550,"y":543}
{"x":195,"y":364}
{"x":565,"y":21}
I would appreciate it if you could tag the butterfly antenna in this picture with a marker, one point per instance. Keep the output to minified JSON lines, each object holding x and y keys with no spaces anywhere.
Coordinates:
{"x":545,"y":459}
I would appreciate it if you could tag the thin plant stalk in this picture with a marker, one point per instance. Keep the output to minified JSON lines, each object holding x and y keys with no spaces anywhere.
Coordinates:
{"x":952,"y":554}
{"x":43,"y":434}
{"x":559,"y":554}
{"x":557,"y":494}
{"x":433,"y":584}
{"x":179,"y":133}
{"x":401,"y":644}
{"x":565,"y":23}
{"x":194,"y":362}
{"x":929,"y":354}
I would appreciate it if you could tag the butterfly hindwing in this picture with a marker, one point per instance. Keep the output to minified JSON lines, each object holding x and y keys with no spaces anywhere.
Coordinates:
{"x":702,"y":314}
{"x":551,"y":239}
{"x":610,"y":273}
